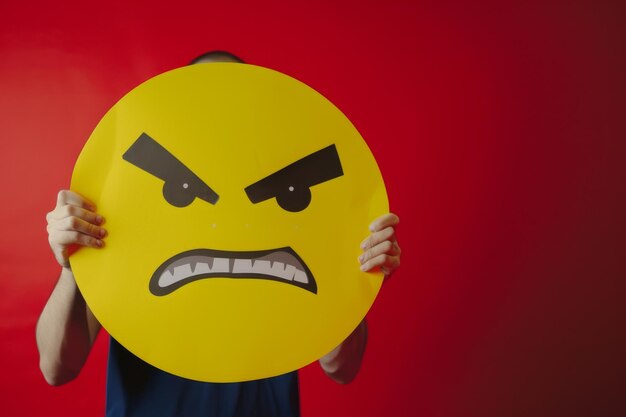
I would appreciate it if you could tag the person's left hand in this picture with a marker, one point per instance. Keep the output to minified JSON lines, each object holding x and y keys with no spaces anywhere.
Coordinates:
{"x":380,"y":249}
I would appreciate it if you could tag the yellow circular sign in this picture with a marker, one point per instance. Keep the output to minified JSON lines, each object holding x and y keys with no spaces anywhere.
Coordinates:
{"x":236,"y":198}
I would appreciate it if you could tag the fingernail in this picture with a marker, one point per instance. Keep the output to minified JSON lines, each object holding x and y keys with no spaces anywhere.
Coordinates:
{"x":100,"y":243}
{"x":99,"y":219}
{"x":361,"y":259}
{"x":102,"y":233}
{"x":362,"y":267}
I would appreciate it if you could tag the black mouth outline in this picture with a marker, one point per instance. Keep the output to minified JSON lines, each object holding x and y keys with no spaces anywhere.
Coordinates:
{"x":158,"y":290}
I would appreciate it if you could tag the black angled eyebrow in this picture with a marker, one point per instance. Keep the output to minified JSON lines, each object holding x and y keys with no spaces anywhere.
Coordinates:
{"x":316,"y":168}
{"x":147,"y":154}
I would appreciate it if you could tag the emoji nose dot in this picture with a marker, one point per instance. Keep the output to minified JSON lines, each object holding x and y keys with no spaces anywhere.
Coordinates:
{"x":185,"y":185}
{"x":291,"y":188}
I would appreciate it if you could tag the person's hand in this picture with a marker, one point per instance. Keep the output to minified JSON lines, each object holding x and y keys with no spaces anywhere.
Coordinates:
{"x":380,"y":249}
{"x":73,"y":223}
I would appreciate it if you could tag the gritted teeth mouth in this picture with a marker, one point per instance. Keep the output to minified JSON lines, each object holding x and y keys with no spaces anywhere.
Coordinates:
{"x":282,"y":265}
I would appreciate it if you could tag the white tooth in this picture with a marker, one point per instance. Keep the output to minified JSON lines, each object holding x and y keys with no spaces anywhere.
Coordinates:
{"x":290,"y":270}
{"x":283,"y":271}
{"x":277,"y":269}
{"x":182,"y":272}
{"x":300,"y":276}
{"x":201,"y":268}
{"x":220,"y":265}
{"x":166,"y":279}
{"x":242,"y":266}
{"x":262,"y":267}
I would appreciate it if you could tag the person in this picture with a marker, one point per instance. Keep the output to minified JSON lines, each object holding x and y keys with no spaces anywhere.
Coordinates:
{"x":67,"y":329}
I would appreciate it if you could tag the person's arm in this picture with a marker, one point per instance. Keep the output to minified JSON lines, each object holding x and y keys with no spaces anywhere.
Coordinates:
{"x":66,"y":328}
{"x":343,"y":362}
{"x":65,"y":332}
{"x":380,"y":251}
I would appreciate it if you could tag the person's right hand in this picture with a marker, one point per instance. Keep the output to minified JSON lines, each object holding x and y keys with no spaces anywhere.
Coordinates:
{"x":73,"y":223}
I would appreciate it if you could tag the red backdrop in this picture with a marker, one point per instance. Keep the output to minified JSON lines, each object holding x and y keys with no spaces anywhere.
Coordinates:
{"x":497,"y":129}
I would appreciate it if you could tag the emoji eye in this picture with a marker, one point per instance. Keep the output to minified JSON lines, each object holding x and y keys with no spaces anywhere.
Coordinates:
{"x":291,"y":184}
{"x":181,"y":186}
{"x":294,"y":198}
{"x":178,"y":193}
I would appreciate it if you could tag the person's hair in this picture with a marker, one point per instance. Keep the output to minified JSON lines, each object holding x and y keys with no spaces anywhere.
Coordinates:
{"x":216,"y":55}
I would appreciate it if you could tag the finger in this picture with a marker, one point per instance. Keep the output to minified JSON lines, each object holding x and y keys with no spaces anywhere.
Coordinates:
{"x":388,"y":247}
{"x":68,"y":210}
{"x":79,"y":225}
{"x":384,"y":261}
{"x":388,"y":271}
{"x":386,"y":220}
{"x":375,"y":238}
{"x":72,"y":237}
{"x":70,"y":197}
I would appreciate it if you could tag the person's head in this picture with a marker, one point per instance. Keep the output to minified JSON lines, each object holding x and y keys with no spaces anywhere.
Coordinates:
{"x":216,"y":56}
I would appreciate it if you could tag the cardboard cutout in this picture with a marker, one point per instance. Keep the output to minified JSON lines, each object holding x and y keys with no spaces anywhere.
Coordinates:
{"x":236,"y":198}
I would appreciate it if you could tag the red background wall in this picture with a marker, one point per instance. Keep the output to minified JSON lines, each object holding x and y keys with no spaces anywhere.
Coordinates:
{"x":499,"y":130}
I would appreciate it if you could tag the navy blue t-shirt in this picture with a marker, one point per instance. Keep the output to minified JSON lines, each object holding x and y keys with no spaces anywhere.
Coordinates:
{"x":137,"y":389}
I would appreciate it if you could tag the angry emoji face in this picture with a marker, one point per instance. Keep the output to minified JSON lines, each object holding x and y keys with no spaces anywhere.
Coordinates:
{"x":235,"y":199}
